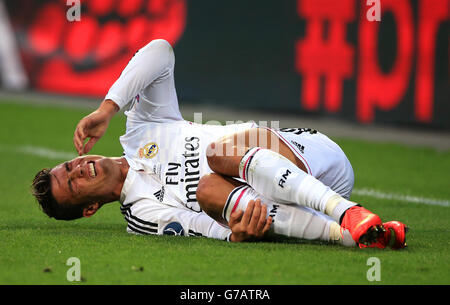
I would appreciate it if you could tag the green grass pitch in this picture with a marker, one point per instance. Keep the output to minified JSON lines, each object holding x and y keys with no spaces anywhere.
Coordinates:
{"x":35,"y":249}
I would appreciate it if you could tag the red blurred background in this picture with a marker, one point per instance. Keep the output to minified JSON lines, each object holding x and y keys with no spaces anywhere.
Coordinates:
{"x":307,"y":56}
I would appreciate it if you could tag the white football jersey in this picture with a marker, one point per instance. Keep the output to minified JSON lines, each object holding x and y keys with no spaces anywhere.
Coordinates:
{"x":175,"y":153}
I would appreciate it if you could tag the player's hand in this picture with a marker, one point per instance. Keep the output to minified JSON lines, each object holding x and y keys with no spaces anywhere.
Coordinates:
{"x":93,"y":126}
{"x":251,"y":224}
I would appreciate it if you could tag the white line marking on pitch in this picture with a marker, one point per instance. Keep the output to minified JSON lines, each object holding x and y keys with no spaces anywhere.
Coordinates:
{"x":63,"y":155}
{"x":40,"y":152}
{"x":400,"y":197}
{"x":45,"y":152}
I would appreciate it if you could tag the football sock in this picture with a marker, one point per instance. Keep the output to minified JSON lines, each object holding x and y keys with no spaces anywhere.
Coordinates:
{"x":278,"y":179}
{"x":290,"y":220}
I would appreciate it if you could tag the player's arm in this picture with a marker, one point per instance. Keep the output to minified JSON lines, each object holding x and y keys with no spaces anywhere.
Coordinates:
{"x":149,"y":63}
{"x":148,"y":217}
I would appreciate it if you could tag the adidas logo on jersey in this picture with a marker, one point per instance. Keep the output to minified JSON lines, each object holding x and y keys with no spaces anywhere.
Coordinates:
{"x":160,"y":194}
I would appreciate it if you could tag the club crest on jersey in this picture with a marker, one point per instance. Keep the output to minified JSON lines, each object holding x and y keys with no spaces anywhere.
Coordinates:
{"x":148,"y":151}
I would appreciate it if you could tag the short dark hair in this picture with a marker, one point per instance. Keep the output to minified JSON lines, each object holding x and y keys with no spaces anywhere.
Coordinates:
{"x":42,"y":191}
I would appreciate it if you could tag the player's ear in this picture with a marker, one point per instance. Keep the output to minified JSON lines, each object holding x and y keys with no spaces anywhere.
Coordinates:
{"x":91,"y":209}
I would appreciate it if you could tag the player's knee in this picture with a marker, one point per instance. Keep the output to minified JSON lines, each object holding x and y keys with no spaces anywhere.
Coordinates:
{"x":223,"y":158}
{"x":213,"y":157}
{"x":207,"y":192}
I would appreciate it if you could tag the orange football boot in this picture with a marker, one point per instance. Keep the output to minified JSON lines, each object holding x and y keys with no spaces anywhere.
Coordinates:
{"x":394,"y":236}
{"x":399,"y":231}
{"x":364,"y":226}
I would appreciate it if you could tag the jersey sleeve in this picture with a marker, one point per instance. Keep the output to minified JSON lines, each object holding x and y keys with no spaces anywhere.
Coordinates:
{"x":148,"y":81}
{"x":152,"y":217}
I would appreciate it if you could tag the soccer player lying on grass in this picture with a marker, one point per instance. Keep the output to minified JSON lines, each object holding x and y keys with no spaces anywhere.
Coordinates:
{"x":179,"y":177}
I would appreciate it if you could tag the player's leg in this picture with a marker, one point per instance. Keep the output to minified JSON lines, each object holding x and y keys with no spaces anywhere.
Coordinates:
{"x":269,"y":167}
{"x":212,"y":193}
{"x":220,"y":196}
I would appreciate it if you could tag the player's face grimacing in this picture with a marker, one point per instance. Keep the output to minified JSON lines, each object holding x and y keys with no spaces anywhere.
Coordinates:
{"x":87,"y":179}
